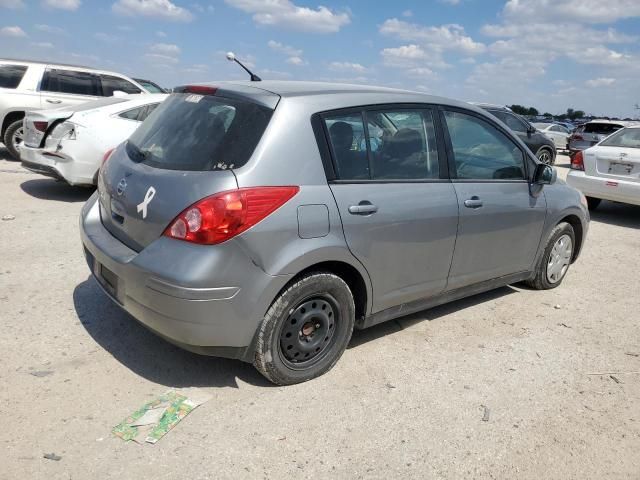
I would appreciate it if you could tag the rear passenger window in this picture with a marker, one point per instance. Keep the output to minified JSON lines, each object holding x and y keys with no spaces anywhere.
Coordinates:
{"x":403,"y":145}
{"x":481,"y":151}
{"x":132,"y":114}
{"x":110,"y":84}
{"x":68,"y":81}
{"x":11,"y":75}
{"x":396,"y":145}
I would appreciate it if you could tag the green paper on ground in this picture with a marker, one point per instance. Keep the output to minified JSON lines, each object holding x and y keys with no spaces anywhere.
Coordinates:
{"x":154,"y":419}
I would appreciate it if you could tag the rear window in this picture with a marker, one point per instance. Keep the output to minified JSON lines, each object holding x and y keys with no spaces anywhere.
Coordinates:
{"x":11,"y":75}
{"x":601,"y":128}
{"x":199,"y":132}
{"x":627,"y":138}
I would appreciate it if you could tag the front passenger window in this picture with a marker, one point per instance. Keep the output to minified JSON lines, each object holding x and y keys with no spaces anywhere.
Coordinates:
{"x":481,"y":151}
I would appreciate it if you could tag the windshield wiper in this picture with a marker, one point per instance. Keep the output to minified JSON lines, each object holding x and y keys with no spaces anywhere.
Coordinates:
{"x":134,"y":151}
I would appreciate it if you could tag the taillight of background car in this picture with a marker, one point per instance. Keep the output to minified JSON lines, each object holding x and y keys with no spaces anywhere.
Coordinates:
{"x":577,"y":161}
{"x":220,"y":217}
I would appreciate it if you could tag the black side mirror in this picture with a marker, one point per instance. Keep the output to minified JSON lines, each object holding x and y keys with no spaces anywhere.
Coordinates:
{"x":544,"y":174}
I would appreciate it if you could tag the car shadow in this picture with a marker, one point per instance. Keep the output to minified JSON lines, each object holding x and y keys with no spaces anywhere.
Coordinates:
{"x":361,"y":337}
{"x":50,"y":189}
{"x":617,"y":214}
{"x":5,"y":155}
{"x":147,"y":354}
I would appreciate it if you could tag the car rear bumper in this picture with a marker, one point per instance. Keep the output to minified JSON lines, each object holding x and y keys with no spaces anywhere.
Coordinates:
{"x":199,"y":312}
{"x":57,"y":165}
{"x":605,"y":188}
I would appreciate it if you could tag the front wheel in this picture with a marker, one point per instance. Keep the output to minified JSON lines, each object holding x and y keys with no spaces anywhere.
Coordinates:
{"x":306,"y":329}
{"x":13,"y":138}
{"x":556,"y":258}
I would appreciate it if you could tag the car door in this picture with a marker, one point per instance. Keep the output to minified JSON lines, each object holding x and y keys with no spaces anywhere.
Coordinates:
{"x":399,"y":211}
{"x":559,"y":135}
{"x":61,"y":88}
{"x":500,"y":221}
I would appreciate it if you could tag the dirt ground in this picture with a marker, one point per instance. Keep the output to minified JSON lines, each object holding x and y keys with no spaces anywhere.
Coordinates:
{"x":557,"y":371}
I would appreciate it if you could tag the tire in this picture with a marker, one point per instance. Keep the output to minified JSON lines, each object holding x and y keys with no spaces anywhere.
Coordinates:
{"x":593,"y":202}
{"x":543,"y":272}
{"x":316,"y":314}
{"x":546,"y":156}
{"x":10,"y":140}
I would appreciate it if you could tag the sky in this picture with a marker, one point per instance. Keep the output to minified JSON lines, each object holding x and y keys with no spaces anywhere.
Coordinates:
{"x":550,"y":54}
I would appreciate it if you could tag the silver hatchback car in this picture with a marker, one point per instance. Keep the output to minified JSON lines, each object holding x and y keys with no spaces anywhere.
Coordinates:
{"x":265,"y":221}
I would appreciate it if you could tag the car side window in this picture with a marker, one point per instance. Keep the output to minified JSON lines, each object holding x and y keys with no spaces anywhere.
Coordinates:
{"x":147,"y":111}
{"x":511,"y":121}
{"x":69,"y":81}
{"x":481,"y":151}
{"x":11,"y":75}
{"x":110,"y":84}
{"x":133,"y":114}
{"x":403,"y":145}
{"x":348,"y":145}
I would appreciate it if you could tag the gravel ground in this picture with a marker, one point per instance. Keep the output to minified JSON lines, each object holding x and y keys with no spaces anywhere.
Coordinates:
{"x":510,"y":384}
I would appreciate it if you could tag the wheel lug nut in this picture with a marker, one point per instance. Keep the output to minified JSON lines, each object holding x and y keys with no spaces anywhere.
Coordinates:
{"x":317,"y":325}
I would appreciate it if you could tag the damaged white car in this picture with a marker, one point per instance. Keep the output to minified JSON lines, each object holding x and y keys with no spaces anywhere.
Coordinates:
{"x":70,"y":143}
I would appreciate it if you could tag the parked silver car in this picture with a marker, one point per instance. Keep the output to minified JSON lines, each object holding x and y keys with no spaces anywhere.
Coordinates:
{"x":265,"y":220}
{"x":589,"y":134}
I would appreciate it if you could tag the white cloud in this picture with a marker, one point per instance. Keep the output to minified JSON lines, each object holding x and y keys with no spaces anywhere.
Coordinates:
{"x":12,"y":3}
{"x":347,"y":66}
{"x":13,"y":31}
{"x":600,"y":82}
{"x":165,"y":49}
{"x":42,"y":44}
{"x":444,"y":37}
{"x":451,"y":2}
{"x":286,"y":49}
{"x":407,"y":13}
{"x":297,"y":61}
{"x":160,"y":34}
{"x":412,"y":56}
{"x":162,"y":9}
{"x":286,"y":14}
{"x":588,"y":11}
{"x":162,"y":59}
{"x":50,"y":29}
{"x":197,"y":68}
{"x":62,"y":4}
{"x":105,"y":37}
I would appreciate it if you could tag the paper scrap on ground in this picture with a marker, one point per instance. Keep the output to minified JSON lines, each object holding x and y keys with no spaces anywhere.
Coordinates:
{"x":154,"y":419}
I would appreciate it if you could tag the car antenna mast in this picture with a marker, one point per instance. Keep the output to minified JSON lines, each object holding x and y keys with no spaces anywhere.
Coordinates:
{"x":232,"y":58}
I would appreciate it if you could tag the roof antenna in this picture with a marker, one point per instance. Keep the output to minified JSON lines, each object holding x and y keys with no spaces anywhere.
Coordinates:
{"x":232,"y":58}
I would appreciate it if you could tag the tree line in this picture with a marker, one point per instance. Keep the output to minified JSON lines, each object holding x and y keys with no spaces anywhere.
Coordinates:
{"x":570,"y":114}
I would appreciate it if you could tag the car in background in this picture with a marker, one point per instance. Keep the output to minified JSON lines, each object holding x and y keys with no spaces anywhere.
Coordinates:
{"x":610,"y":170}
{"x":264,"y":229}
{"x":27,"y":85}
{"x":69,"y":143}
{"x":556,"y":132}
{"x":150,"y":86}
{"x":542,"y":146}
{"x":589,"y":134}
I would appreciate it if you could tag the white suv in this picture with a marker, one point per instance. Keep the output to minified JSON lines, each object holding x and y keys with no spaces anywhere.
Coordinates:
{"x":27,"y":85}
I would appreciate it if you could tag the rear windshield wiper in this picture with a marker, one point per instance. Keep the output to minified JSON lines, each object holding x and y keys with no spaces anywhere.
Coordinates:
{"x":137,"y":154}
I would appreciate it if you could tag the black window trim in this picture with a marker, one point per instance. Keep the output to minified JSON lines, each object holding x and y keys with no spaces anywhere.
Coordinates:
{"x":45,"y":83}
{"x":451,"y":157}
{"x":328,"y":158}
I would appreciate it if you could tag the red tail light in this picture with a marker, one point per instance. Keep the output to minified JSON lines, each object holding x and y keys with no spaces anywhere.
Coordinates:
{"x":222,"y":216}
{"x":106,"y":155}
{"x":200,"y":89}
{"x":41,"y":126}
{"x":577,"y":161}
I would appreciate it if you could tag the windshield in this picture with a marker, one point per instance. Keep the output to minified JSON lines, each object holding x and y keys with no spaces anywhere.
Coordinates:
{"x":199,"y":132}
{"x":150,"y":87}
{"x":626,"y":138}
{"x":601,"y":128}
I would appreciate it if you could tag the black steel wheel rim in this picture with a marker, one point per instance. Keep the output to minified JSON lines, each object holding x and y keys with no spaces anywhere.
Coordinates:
{"x":308,"y":331}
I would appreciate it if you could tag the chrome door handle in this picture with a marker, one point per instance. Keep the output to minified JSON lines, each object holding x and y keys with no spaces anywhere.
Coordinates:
{"x":54,"y":101}
{"x":363,"y":208}
{"x":473,"y":202}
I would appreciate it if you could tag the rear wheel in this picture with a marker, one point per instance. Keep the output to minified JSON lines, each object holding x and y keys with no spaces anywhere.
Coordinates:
{"x":546,"y":156}
{"x":593,"y":202}
{"x":306,"y":329}
{"x":556,"y":259}
{"x":13,"y":138}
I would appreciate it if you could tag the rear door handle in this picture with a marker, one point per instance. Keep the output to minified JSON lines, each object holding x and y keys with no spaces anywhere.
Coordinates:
{"x":54,"y":101}
{"x":363,"y":208}
{"x":473,"y":202}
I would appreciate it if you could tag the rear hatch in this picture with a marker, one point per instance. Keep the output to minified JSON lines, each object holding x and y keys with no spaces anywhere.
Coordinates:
{"x":617,"y":157}
{"x":184,"y":151}
{"x":39,"y":124}
{"x":593,"y":132}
